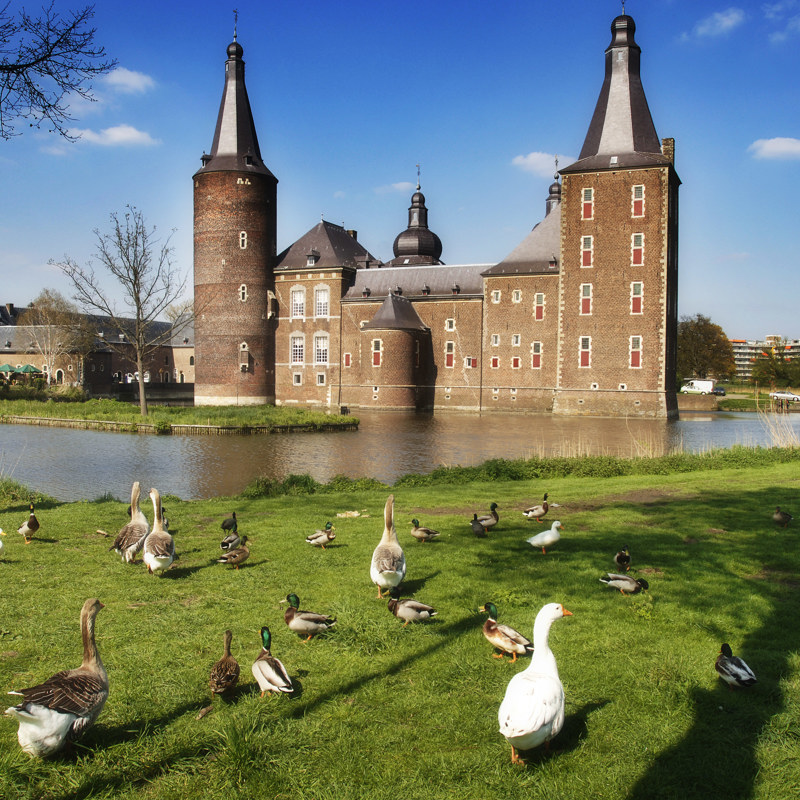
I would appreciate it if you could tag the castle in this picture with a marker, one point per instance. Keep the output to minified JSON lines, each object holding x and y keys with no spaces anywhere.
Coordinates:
{"x":580,"y":318}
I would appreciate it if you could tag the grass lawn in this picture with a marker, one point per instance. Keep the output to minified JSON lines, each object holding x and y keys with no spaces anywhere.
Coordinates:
{"x":382,"y":711}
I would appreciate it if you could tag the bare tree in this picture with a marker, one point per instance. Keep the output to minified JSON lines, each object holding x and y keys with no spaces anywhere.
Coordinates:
{"x":45,"y":60}
{"x":57,"y":329}
{"x":143,"y":269}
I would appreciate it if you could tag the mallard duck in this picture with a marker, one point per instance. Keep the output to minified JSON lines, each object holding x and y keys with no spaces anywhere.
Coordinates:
{"x":130,"y":539}
{"x":732,"y":669}
{"x":407,"y":609}
{"x":29,"y":527}
{"x":388,"y":566}
{"x":504,"y":637}
{"x":532,"y":710}
{"x":230,"y":524}
{"x":546,"y":538}
{"x":305,"y":622}
{"x":491,"y":519}
{"x":225,"y":673}
{"x":65,"y":705}
{"x":625,"y":583}
{"x":477,"y":527}
{"x":159,"y":546}
{"x":623,"y":558}
{"x":230,"y":542}
{"x":322,"y":537}
{"x":237,"y":556}
{"x":537,"y":512}
{"x":422,"y":534}
{"x":782,"y":518}
{"x":268,"y":671}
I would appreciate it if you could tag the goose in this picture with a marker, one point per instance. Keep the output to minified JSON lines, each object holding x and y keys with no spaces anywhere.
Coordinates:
{"x":388,"y":566}
{"x":230,"y":542}
{"x":322,"y":537}
{"x":782,"y":518}
{"x":268,"y":671}
{"x":131,"y":537}
{"x":159,"y":546}
{"x":625,"y":583}
{"x":422,"y":534}
{"x":407,"y":609}
{"x":477,"y":527}
{"x":225,"y":673}
{"x":546,"y":538}
{"x":504,"y":637}
{"x":29,"y":527}
{"x":305,"y":622}
{"x":491,"y":519}
{"x":66,"y":704}
{"x":732,"y":669}
{"x":237,"y":556}
{"x":230,"y":524}
{"x":532,"y":710}
{"x":538,"y":511}
{"x":623,"y":558}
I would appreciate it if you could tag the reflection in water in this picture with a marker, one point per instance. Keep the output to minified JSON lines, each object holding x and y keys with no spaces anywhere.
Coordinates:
{"x":71,"y":465}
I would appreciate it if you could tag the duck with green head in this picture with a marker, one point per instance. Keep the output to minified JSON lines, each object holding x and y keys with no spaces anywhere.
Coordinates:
{"x":305,"y":623}
{"x":505,"y":638}
{"x":268,"y":671}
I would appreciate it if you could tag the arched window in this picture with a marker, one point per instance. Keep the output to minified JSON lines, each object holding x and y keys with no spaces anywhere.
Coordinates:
{"x":243,"y":292}
{"x":243,"y":240}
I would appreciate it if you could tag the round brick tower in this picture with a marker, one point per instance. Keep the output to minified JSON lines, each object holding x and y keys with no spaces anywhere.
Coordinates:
{"x":235,"y":225}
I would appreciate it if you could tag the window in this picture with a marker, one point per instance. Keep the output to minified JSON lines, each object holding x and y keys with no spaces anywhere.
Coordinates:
{"x":495,"y":340}
{"x":585,"y":351}
{"x":538,"y":306}
{"x":636,"y":352}
{"x":297,"y":378}
{"x":637,"y":249}
{"x":637,"y":201}
{"x":450,"y":324}
{"x":587,"y":204}
{"x":243,"y":240}
{"x":377,"y":347}
{"x":298,"y":349}
{"x":320,"y":379}
{"x":321,"y":348}
{"x":586,"y":298}
{"x":348,"y":359}
{"x":496,"y":296}
{"x":470,"y":363}
{"x":298,"y":303}
{"x":516,"y":296}
{"x":449,"y":353}
{"x":243,"y":292}
{"x":191,"y":363}
{"x":536,"y":355}
{"x":587,"y":251}
{"x":495,"y":362}
{"x":516,"y":362}
{"x":516,"y":340}
{"x":637,"y":292}
{"x":321,"y":302}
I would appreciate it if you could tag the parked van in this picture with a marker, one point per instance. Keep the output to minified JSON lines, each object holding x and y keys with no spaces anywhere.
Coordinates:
{"x":697,"y":387}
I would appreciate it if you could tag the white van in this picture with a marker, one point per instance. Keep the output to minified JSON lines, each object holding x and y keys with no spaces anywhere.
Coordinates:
{"x":697,"y":387}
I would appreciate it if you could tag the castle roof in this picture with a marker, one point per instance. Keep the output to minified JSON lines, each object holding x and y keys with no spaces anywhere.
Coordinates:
{"x":417,"y":244}
{"x":235,"y":145}
{"x":396,"y":313}
{"x":329,"y":246}
{"x":621,"y":133}
{"x":419,"y":281}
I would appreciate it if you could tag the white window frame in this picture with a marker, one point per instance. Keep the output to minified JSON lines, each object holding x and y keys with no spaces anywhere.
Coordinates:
{"x":587,"y":246}
{"x":297,"y":303}
{"x":450,"y":324}
{"x":582,"y":349}
{"x":631,"y":350}
{"x":516,"y":296}
{"x":322,"y":302}
{"x":297,"y":348}
{"x":516,"y":339}
{"x":637,"y":243}
{"x":321,"y":342}
{"x":587,"y":198}
{"x":495,"y":340}
{"x":243,"y":293}
{"x":640,"y":284}
{"x":243,"y":240}
{"x":321,"y":379}
{"x":536,"y":350}
{"x":537,"y":304}
{"x":297,"y":379}
{"x":586,"y":293}
{"x":496,"y":295}
{"x":637,"y":188}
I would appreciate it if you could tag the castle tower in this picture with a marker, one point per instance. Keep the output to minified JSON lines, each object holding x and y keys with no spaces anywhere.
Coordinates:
{"x":417,"y":244}
{"x":619,"y":246}
{"x":234,"y":249}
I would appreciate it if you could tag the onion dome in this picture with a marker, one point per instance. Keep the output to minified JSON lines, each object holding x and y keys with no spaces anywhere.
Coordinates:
{"x":417,"y":244}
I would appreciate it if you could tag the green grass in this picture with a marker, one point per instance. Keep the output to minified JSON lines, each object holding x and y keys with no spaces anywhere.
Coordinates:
{"x":384,"y":711}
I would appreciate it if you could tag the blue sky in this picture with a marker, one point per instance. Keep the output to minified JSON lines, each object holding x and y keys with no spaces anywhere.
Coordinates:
{"x":348,"y":97}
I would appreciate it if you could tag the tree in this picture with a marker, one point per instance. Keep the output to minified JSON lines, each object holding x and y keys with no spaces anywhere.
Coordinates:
{"x":57,"y":329}
{"x":704,"y":350}
{"x":150,"y":284}
{"x":44,"y":61}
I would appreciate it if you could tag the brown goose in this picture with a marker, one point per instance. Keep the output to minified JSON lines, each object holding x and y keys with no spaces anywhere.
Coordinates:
{"x":388,"y":566}
{"x":130,"y":538}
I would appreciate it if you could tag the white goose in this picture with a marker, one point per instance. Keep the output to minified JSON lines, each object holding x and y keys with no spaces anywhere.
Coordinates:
{"x":130,"y":538}
{"x":159,"y":546}
{"x":388,"y":567}
{"x":532,"y":710}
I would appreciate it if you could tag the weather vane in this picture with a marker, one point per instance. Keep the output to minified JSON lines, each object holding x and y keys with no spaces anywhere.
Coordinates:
{"x":417,"y":176}
{"x":236,"y":21}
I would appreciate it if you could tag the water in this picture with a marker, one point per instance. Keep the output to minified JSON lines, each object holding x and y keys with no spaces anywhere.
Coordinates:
{"x":72,"y":464}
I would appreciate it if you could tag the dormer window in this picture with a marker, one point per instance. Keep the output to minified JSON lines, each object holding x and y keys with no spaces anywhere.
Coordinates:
{"x":365,"y":292}
{"x":312,"y":257}
{"x":456,"y":288}
{"x":553,"y":262}
{"x":426,"y":290}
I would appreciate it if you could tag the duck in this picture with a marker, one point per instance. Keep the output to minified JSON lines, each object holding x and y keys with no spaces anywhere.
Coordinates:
{"x":782,"y":518}
{"x":305,"y":622}
{"x":269,"y":672}
{"x":623,"y":558}
{"x":546,"y":538}
{"x":225,"y":672}
{"x":29,"y":527}
{"x":532,"y":711}
{"x":538,"y":511}
{"x":237,"y":556}
{"x":230,"y":524}
{"x":322,"y":537}
{"x":230,"y":542}
{"x":422,"y":534}
{"x":625,"y":583}
{"x":159,"y":546}
{"x":67,"y":704}
{"x":732,"y":669}
{"x":477,"y":527}
{"x":388,"y":566}
{"x":491,"y":519}
{"x":407,"y":609}
{"x":131,"y":537}
{"x":504,"y":637}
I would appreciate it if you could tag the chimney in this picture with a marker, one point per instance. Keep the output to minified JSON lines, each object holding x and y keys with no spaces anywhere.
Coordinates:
{"x":668,"y":149}
{"x":353,"y":233}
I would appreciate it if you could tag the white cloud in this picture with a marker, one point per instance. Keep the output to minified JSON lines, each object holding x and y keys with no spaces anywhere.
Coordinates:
{"x":118,"y":136}
{"x":338,"y":195}
{"x":718,"y":24}
{"x":541,"y":164}
{"x":781,"y":147}
{"x":402,"y":186}
{"x":126,"y":81}
{"x":792,"y":28}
